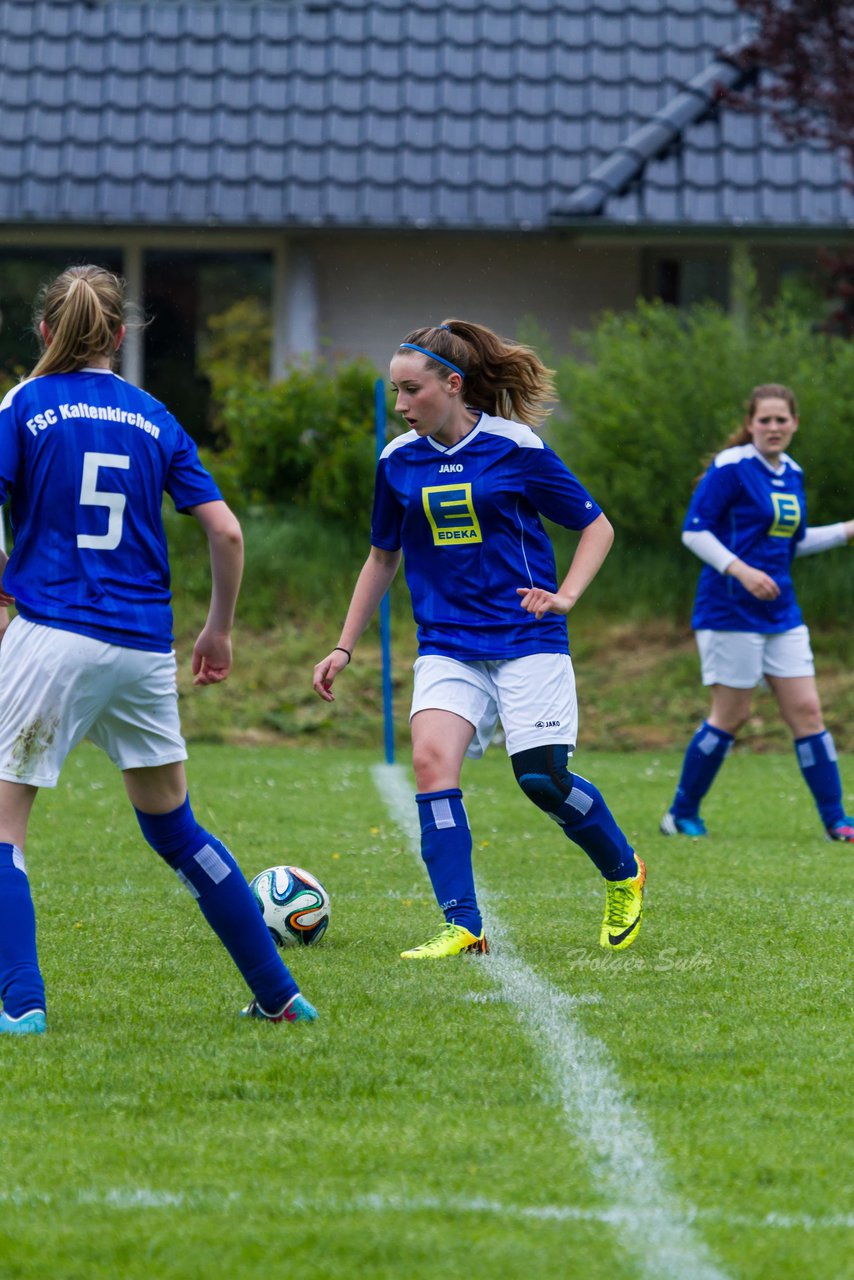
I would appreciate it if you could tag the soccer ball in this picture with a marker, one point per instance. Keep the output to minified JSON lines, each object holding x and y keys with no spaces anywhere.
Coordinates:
{"x":294,"y":904}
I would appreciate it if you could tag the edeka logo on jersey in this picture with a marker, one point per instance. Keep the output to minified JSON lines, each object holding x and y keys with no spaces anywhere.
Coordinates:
{"x":787,"y":515}
{"x":449,"y":509}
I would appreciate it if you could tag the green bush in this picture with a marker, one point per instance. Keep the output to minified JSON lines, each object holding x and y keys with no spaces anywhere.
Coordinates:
{"x":10,"y":378}
{"x":654,"y":391}
{"x":306,"y":440}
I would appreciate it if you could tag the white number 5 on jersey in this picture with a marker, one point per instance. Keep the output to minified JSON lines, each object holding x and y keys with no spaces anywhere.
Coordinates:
{"x":92,"y":496}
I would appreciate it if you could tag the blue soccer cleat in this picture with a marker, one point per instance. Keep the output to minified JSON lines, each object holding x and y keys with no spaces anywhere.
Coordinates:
{"x":673,"y":826}
{"x":843,"y":831}
{"x":296,"y":1010}
{"x":28,"y":1024}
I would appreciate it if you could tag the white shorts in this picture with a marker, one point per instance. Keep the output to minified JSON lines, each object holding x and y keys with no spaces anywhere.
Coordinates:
{"x":534,"y":697}
{"x":57,"y":687}
{"x":740,"y":659}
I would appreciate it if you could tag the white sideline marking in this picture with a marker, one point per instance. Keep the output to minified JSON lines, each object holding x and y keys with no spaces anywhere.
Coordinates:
{"x":128,"y":1198}
{"x":623,"y":1159}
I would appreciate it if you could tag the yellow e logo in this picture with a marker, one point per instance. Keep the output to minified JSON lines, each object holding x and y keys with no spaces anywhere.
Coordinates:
{"x":450,"y":511}
{"x":787,"y":515}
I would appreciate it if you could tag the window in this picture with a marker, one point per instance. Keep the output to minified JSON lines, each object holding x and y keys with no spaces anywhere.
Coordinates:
{"x":22,"y":273}
{"x":684,"y":278}
{"x":182,"y":291}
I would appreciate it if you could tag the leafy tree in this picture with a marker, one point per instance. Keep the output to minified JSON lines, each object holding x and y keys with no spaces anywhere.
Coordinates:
{"x":655,"y":391}
{"x":808,"y":46}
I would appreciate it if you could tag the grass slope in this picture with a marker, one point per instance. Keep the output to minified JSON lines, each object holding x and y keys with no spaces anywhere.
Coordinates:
{"x":416,"y":1128}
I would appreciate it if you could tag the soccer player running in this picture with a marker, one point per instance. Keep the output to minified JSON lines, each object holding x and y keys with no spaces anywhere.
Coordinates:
{"x":461,"y":494}
{"x":747,"y":521}
{"x":85,"y":459}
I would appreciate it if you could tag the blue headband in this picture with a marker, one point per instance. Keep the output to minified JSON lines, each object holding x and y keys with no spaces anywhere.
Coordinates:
{"x":432,"y":354}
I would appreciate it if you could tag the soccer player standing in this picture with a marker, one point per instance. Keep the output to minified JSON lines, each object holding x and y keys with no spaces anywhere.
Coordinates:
{"x":460,"y":495}
{"x":85,"y":459}
{"x":747,"y":521}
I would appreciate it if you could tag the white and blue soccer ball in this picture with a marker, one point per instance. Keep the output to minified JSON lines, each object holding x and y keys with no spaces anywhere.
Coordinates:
{"x":294,"y":904}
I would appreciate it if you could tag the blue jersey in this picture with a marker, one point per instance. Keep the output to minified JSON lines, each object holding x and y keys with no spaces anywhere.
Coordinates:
{"x":467,"y":520}
{"x":85,"y":459}
{"x":760,"y":515}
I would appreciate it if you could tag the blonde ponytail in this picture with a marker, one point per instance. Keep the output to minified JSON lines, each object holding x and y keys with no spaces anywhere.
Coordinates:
{"x":83,"y":312}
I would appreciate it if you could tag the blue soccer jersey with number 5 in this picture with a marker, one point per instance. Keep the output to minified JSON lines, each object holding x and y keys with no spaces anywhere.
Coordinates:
{"x":760,"y":515}
{"x":85,"y":459}
{"x":468,"y":520}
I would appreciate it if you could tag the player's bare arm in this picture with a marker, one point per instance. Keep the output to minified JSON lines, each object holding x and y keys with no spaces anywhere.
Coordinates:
{"x":212,"y":656}
{"x":593,"y":546}
{"x":759,"y":584}
{"x":373,"y":582}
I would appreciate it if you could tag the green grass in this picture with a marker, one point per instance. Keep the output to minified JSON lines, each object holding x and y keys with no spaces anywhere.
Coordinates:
{"x":417,"y":1128}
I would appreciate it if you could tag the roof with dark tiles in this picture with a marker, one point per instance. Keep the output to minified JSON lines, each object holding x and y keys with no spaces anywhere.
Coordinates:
{"x":458,"y":114}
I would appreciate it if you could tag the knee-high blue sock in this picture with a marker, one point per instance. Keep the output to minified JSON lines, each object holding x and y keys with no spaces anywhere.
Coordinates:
{"x":220,"y":888}
{"x":589,"y":823}
{"x":21,"y":982}
{"x":817,"y":758}
{"x":577,"y":807}
{"x":706,"y":752}
{"x":446,"y":850}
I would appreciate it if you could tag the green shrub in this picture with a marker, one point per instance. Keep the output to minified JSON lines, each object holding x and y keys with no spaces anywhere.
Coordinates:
{"x":654,"y":391}
{"x":10,"y":378}
{"x":307,"y":440}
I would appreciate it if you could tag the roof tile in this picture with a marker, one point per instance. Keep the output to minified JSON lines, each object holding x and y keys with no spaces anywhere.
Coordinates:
{"x":473,"y":113}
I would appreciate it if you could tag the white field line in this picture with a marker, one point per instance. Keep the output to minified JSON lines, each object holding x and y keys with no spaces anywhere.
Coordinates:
{"x":127,"y":1199}
{"x":623,"y":1159}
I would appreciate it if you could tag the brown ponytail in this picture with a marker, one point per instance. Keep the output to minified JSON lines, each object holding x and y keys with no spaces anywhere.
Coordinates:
{"x":83,"y":311}
{"x":502,"y":378}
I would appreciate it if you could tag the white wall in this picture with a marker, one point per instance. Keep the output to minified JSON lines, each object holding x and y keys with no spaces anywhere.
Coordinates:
{"x":373,"y":289}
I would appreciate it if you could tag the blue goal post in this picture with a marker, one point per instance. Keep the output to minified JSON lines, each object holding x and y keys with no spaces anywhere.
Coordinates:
{"x":385,"y":603}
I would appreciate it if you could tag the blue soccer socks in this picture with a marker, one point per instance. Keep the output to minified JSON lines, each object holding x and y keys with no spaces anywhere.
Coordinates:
{"x":817,"y":758}
{"x":446,"y":850}
{"x":589,"y":823}
{"x":706,"y":752}
{"x":21,"y":982}
{"x":577,"y":806}
{"x":216,"y":882}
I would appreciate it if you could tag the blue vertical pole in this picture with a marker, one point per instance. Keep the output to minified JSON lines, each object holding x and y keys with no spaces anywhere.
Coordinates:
{"x":385,"y":603}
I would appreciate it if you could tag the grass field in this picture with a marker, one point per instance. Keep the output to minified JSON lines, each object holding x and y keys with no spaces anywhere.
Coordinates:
{"x":680,"y":1110}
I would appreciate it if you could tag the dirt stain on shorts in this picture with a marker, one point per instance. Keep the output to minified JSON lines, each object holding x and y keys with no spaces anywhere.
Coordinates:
{"x":32,"y":742}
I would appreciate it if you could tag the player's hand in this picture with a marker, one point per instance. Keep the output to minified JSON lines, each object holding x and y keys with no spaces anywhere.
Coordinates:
{"x":326,"y":671}
{"x":211,"y":657}
{"x":5,"y":599}
{"x":759,"y":584}
{"x":539,"y":602}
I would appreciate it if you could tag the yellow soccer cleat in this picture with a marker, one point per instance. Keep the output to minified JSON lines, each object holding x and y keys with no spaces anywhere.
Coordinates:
{"x":451,"y":940}
{"x":623,"y":911}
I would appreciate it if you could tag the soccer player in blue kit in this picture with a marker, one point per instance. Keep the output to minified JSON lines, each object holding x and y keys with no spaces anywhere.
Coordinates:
{"x":85,"y":459}
{"x":747,"y":520}
{"x":460,"y":495}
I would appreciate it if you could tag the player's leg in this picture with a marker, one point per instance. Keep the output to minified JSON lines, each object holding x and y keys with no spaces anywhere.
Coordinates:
{"x":537,"y":701}
{"x":731,"y":664}
{"x":440,"y":740}
{"x":453,"y":715}
{"x":140,"y":731}
{"x":800,"y":707}
{"x":21,"y":983}
{"x":207,"y":868}
{"x":45,"y":703}
{"x":580,"y":810}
